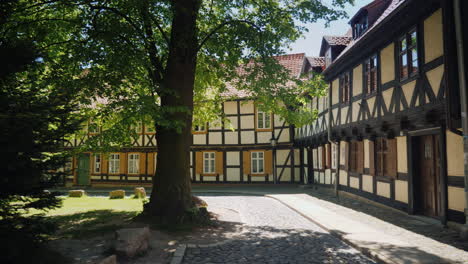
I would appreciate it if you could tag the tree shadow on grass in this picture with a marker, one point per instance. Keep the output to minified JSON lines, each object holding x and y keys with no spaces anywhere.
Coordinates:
{"x":90,"y":223}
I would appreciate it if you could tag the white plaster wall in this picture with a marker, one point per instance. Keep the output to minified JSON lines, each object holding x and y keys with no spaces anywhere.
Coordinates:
{"x":316,"y":176}
{"x":199,"y":139}
{"x":263,"y":137}
{"x":456,"y":199}
{"x":216,"y":124}
{"x":247,"y":137}
{"x":215,"y":138}
{"x":343,"y":177}
{"x":284,"y":137}
{"x":297,"y":174}
{"x":231,"y":138}
{"x":281,"y":156}
{"x":232,"y":123}
{"x":246,"y":107}
{"x":230,"y":108}
{"x":233,"y":174}
{"x":383,"y":189}
{"x":232,"y":158}
{"x":328,"y":177}
{"x":247,"y":122}
{"x":211,"y":178}
{"x":297,"y":157}
{"x":354,"y":182}
{"x":286,"y":174}
{"x":191,"y":159}
{"x":401,"y":191}
{"x":277,"y":120}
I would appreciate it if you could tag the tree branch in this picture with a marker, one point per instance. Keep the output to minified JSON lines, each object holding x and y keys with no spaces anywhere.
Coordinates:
{"x":220,"y":26}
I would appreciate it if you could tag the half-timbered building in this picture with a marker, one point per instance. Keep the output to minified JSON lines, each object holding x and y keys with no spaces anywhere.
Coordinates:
{"x":255,"y":147}
{"x":390,"y":127}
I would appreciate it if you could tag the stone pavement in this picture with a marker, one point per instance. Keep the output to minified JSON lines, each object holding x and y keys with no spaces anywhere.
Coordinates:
{"x":273,"y":234}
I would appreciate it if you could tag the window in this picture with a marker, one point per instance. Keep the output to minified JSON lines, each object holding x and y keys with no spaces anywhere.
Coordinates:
{"x":356,"y":156}
{"x":258,"y":162}
{"x":345,"y":85}
{"x":385,"y":157}
{"x":199,"y":129}
{"x":334,"y":153}
{"x":263,"y":120}
{"x":68,"y":166}
{"x":133,"y":163}
{"x":408,"y":54}
{"x":93,"y":128}
{"x":370,"y":74}
{"x":138,"y":127}
{"x":328,"y":57}
{"x":327,"y":156}
{"x":360,"y":27}
{"x":97,"y":163}
{"x":114,"y":163}
{"x":209,"y":161}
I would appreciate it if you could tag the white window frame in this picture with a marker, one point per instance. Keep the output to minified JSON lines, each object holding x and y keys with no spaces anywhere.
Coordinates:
{"x":209,"y":162}
{"x":320,"y":157}
{"x":257,"y":158}
{"x":334,"y":154}
{"x":133,"y":162}
{"x":114,"y":163}
{"x":97,"y":163}
{"x":199,"y":128}
{"x":264,"y":118}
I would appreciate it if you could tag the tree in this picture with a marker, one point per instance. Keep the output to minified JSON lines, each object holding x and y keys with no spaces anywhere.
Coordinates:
{"x":170,"y":60}
{"x":35,"y":116}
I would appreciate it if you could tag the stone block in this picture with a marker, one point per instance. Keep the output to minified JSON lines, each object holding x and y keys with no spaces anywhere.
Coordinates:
{"x":117,"y":194}
{"x":76,"y":193}
{"x":131,"y":242}
{"x":140,"y":193}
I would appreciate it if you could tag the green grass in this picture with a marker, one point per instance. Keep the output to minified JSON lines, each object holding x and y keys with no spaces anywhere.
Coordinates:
{"x":90,"y":216}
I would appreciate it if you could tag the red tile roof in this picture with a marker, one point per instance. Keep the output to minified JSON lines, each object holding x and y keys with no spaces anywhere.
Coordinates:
{"x":337,"y":40}
{"x":292,"y":62}
{"x":316,"y":61}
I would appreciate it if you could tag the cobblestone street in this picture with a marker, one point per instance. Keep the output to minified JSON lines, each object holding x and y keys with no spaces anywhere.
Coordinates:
{"x":273,"y":234}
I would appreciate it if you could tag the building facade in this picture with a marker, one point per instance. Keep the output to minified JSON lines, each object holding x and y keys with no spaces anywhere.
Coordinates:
{"x":390,"y":128}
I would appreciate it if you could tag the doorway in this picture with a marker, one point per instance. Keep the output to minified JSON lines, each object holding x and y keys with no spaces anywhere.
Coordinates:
{"x":428,"y":177}
{"x":83,"y":169}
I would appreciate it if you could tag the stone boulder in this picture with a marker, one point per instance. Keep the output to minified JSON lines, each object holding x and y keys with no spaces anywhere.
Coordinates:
{"x":109,"y":260}
{"x":76,"y":193}
{"x":117,"y":194}
{"x":140,"y":193}
{"x":132,"y":241}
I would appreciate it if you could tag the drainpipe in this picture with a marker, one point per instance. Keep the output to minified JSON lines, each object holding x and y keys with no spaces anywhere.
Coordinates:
{"x":463,"y":97}
{"x":337,"y":170}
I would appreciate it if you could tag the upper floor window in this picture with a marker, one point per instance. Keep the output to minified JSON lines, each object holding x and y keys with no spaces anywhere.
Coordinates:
{"x":199,"y":129}
{"x":138,"y":127}
{"x":408,"y":54}
{"x":263,"y":120}
{"x":149,"y":128}
{"x":93,"y":128}
{"x":209,"y":159}
{"x":370,"y":74}
{"x":345,"y":87}
{"x":360,"y":26}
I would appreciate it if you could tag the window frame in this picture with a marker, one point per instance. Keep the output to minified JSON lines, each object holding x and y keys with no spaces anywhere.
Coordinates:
{"x":265,"y":116}
{"x":211,"y":168}
{"x":136,"y":166}
{"x":196,"y":129}
{"x":68,"y":166}
{"x":408,"y":52}
{"x":97,"y":164}
{"x":380,"y":156}
{"x":114,"y":163}
{"x":256,"y":160}
{"x":150,"y":125}
{"x":345,"y":87}
{"x":371,"y":74}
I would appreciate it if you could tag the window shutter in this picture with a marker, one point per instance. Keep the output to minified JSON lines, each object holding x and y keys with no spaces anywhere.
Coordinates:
{"x":360,"y":157}
{"x":123,"y":163}
{"x":151,"y":168}
{"x":371,"y":158}
{"x":392,"y":158}
{"x":269,"y":162}
{"x":346,"y":156}
{"x":324,"y":157}
{"x":142,"y":169}
{"x":246,"y":162}
{"x":198,"y":162}
{"x":219,"y":162}
{"x":104,"y":164}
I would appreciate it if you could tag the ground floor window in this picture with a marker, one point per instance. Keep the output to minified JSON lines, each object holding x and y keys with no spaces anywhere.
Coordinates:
{"x":356,"y":156}
{"x":68,"y":166}
{"x":97,"y":163}
{"x":133,"y":163}
{"x":209,"y":162}
{"x":258,"y":162}
{"x":114,"y":163}
{"x":385,"y":157}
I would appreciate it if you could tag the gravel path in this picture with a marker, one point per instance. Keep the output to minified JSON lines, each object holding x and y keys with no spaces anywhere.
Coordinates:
{"x":274,"y":234}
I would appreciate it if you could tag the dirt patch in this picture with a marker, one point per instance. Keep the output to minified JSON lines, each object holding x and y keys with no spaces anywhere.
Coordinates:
{"x":227,"y":225}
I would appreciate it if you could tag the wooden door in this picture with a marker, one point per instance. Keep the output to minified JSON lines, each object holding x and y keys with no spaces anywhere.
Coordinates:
{"x":83,"y":169}
{"x":428,"y":176}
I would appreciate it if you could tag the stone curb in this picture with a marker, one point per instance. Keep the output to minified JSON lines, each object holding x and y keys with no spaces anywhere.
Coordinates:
{"x":373,"y":255}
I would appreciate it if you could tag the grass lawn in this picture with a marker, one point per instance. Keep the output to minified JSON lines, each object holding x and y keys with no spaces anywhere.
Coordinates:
{"x":90,"y":216}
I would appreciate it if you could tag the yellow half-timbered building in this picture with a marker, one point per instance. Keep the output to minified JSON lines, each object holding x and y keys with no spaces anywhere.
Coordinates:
{"x":390,"y":127}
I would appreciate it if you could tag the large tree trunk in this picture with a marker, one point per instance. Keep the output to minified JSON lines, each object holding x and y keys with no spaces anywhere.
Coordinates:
{"x":171,"y":195}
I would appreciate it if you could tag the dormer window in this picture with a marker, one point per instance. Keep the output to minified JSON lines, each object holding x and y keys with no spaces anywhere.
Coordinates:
{"x":328,"y":57}
{"x":360,"y":26}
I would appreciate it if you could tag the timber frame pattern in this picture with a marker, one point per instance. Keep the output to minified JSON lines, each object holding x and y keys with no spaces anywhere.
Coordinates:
{"x":422,"y":104}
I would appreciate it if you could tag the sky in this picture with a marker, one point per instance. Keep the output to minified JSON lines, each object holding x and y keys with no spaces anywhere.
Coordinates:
{"x":310,"y":43}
